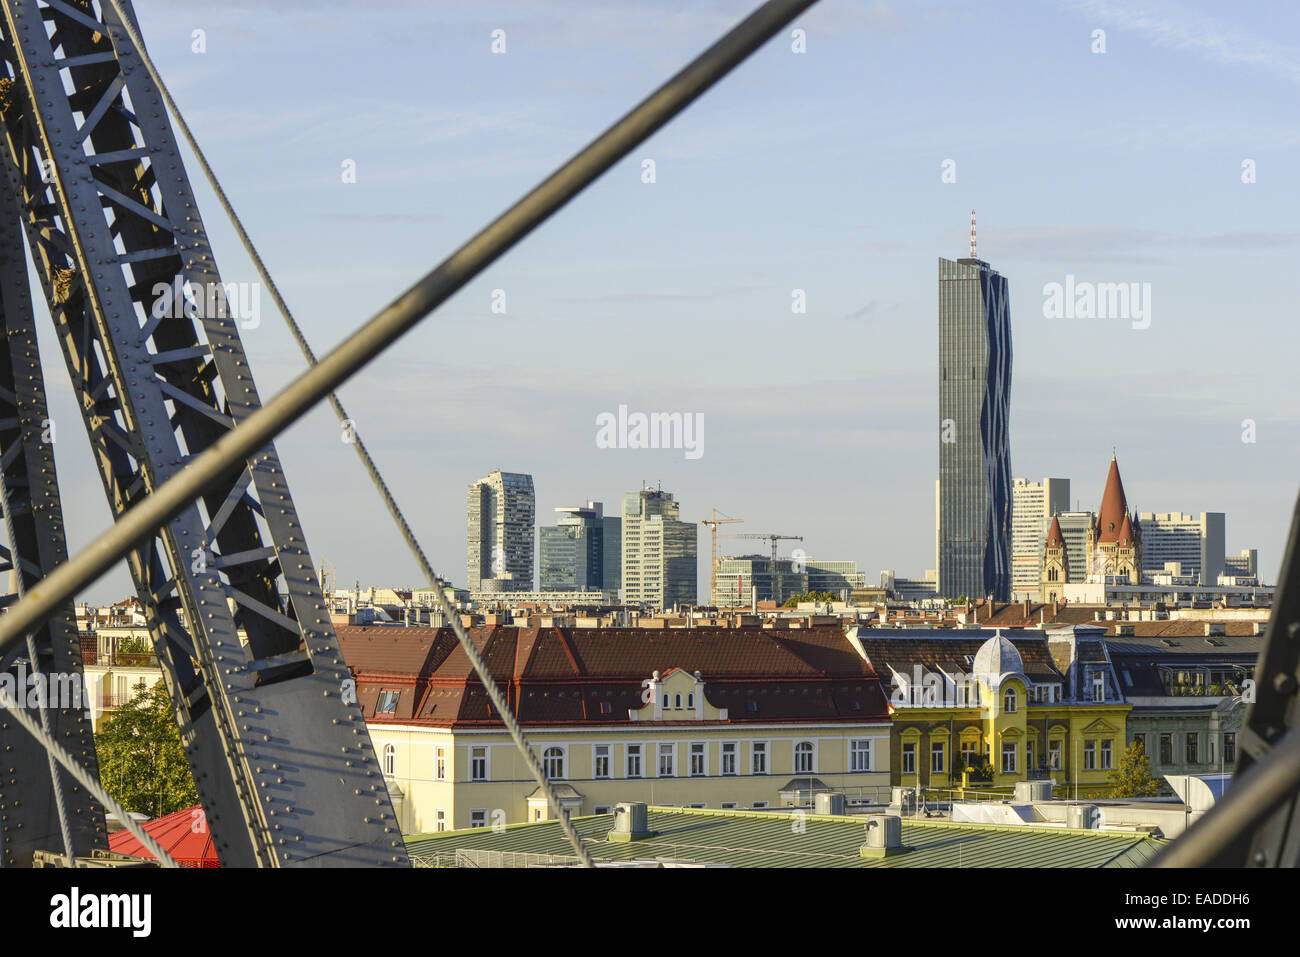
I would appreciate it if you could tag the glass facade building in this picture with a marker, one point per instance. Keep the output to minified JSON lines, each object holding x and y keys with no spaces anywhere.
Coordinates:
{"x":973,"y":521}
{"x":582,"y":551}
{"x":659,"y":551}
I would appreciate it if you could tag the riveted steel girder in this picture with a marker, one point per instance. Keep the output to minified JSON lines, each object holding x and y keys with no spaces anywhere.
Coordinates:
{"x":281,"y":757}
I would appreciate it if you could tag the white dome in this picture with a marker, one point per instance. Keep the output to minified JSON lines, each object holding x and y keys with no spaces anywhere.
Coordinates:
{"x":998,"y":656}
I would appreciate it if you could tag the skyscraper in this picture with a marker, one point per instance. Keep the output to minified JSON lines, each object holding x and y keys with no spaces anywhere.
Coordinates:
{"x":1194,"y":541}
{"x":1032,"y":506}
{"x":580,"y":552}
{"x":659,"y":551}
{"x":500,"y":511}
{"x":973,"y":526}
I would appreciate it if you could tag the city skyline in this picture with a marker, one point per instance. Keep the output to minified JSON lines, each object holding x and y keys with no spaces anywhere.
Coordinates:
{"x":842,"y":392}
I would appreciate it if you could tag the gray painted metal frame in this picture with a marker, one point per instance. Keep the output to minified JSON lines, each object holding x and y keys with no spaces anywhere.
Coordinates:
{"x":282,"y":760}
{"x":33,"y":514}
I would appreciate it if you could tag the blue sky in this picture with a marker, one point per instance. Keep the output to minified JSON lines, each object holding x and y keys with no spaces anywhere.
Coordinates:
{"x":817,"y":171}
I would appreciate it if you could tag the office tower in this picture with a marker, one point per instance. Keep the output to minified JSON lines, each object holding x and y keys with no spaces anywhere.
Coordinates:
{"x":973,"y":528}
{"x":1245,"y":565}
{"x":1032,"y":505}
{"x":1195,"y":541}
{"x":659,"y":551}
{"x":582,"y":551}
{"x":500,"y":512}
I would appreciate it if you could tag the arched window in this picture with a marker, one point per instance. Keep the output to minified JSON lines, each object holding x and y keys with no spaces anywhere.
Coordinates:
{"x":1052,"y":574}
{"x":390,"y":759}
{"x":665,"y":701}
{"x":1009,"y":701}
{"x":553,"y":763}
{"x":803,"y":757}
{"x":690,"y":701}
{"x":677,"y":702}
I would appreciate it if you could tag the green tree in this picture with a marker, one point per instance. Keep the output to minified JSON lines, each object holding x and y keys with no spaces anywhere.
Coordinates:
{"x":1132,"y":775}
{"x":822,"y":596}
{"x":141,"y":761}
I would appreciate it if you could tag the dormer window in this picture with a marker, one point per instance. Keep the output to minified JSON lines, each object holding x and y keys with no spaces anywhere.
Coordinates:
{"x":387,"y":703}
{"x":1098,"y":687}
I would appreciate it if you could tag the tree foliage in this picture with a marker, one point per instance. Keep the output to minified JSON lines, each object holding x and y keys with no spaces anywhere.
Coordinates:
{"x":141,"y":761}
{"x":1132,"y":775}
{"x":820,"y":596}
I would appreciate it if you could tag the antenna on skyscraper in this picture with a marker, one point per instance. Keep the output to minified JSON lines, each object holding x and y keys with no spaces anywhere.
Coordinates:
{"x":972,"y":235}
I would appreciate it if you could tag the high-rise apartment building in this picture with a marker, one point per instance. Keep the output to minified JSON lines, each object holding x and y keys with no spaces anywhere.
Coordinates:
{"x":1032,"y":505}
{"x":500,"y":511}
{"x":659,"y":551}
{"x":580,"y":552}
{"x":973,"y":527}
{"x":1195,"y":541}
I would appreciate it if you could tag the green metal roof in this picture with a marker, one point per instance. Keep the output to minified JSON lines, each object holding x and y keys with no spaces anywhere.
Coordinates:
{"x":769,"y":839}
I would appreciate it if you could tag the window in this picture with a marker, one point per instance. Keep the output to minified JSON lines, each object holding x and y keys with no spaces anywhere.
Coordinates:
{"x":936,"y":757}
{"x":1105,"y":754}
{"x":860,"y":755}
{"x":728,"y":805}
{"x":1230,"y":748}
{"x":677,"y":702}
{"x":1052,"y":574}
{"x":803,"y":757}
{"x":478,"y":764}
{"x":478,"y":817}
{"x":440,"y":820}
{"x":698,"y":768}
{"x":390,"y":759}
{"x":1029,"y":754}
{"x":1193,"y":747}
{"x":387,"y":703}
{"x":604,"y":707}
{"x":440,"y":763}
{"x":758,"y":758}
{"x":634,"y":760}
{"x":1054,"y":755}
{"x":909,"y":758}
{"x":665,"y":701}
{"x":553,"y":763}
{"x":601,"y":761}
{"x":729,"y":757}
{"x":759,"y":805}
{"x":603,"y":809}
{"x":690,"y":701}
{"x":1009,"y":757}
{"x":1098,"y":687}
{"x":967,"y":754}
{"x":1166,"y":749}
{"x":1090,"y":754}
{"x":698,"y":805}
{"x":1009,"y":701}
{"x":666,"y":760}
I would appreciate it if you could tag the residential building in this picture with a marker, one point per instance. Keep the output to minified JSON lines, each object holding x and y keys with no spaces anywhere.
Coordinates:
{"x":1244,"y":565}
{"x":973,"y":491}
{"x":1195,"y":542}
{"x":500,"y":510}
{"x":703,"y":716}
{"x":659,"y":551}
{"x":1189,"y":682}
{"x":1034,"y":706}
{"x":910,"y":589}
{"x":1032,"y":505}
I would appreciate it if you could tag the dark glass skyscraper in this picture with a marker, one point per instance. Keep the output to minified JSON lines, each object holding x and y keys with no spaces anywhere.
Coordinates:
{"x":973,"y":540}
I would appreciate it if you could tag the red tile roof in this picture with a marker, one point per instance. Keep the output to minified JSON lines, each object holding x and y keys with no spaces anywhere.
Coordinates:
{"x":1054,"y":537}
{"x":565,"y":676}
{"x":1114,"y":506}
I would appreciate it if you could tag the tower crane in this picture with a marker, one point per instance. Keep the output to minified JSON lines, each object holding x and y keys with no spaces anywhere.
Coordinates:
{"x":713,"y":524}
{"x":776,"y":571}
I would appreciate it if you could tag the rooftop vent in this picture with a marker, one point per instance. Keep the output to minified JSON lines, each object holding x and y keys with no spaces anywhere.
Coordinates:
{"x":631,"y":822}
{"x":884,"y":837}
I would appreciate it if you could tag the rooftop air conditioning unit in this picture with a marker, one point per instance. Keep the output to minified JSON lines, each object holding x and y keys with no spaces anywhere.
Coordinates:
{"x":829,"y":802}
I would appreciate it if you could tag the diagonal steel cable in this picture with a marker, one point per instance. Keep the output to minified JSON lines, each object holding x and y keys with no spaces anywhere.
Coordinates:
{"x":260,"y":428}
{"x":82,"y":776}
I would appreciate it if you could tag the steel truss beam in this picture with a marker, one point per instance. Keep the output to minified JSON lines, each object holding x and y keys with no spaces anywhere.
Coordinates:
{"x":280,"y":754}
{"x":33,"y":514}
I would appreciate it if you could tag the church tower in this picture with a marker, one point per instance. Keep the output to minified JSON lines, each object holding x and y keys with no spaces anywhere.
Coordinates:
{"x":1115,"y":536}
{"x":1056,"y":565}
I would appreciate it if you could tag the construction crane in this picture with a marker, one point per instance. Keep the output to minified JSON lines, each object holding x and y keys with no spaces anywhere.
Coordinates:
{"x":713,"y":524}
{"x":776,"y":570}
